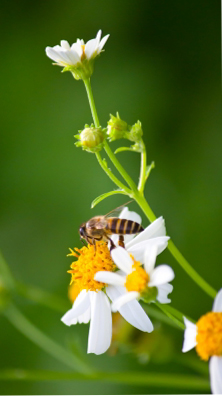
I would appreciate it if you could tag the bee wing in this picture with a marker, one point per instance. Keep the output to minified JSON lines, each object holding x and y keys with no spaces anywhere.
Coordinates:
{"x":115,"y":212}
{"x":97,"y":223}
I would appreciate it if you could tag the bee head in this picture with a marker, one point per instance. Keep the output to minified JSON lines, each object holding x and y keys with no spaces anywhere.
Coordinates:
{"x":82,"y":230}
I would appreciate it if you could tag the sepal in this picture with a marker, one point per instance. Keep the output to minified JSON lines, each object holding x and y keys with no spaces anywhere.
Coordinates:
{"x":149,"y":294}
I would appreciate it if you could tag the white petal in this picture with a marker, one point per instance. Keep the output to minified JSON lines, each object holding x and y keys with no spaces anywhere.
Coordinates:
{"x":65,"y":57}
{"x":160,"y":275}
{"x":150,"y":258}
{"x":70,"y":56}
{"x":122,"y":259}
{"x":52,"y":54}
{"x":103,"y":42}
{"x":79,"y":42}
{"x":123,"y":299}
{"x":163,"y":292}
{"x":98,"y":36}
{"x":84,"y":318}
{"x":90,"y":48}
{"x":100,"y":331}
{"x":79,"y":307}
{"x":111,"y":278}
{"x":217,"y":305}
{"x":129,"y":215}
{"x":155,"y":229}
{"x":190,"y":334}
{"x":65,"y":44}
{"x":138,"y":250}
{"x":77,"y":48}
{"x":215,"y":368}
{"x":132,"y":311}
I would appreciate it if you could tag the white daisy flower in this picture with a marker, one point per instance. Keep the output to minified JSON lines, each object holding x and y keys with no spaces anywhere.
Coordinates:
{"x":133,"y":282}
{"x":206,"y":336}
{"x":91,"y":303}
{"x":79,"y":57}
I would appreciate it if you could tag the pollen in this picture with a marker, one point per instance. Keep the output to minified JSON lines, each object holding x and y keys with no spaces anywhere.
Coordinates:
{"x":88,"y":263}
{"x":138,"y":279}
{"x":209,"y":335}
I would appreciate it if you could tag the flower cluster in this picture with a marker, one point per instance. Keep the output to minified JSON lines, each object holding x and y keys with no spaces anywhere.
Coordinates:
{"x":115,"y":282}
{"x":107,"y":279}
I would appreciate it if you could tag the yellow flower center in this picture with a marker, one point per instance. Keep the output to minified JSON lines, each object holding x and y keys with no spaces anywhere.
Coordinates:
{"x":209,"y":335}
{"x":137,"y":280}
{"x":87,"y":265}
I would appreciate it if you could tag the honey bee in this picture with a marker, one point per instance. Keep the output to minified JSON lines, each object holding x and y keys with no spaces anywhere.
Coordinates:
{"x":100,"y":228}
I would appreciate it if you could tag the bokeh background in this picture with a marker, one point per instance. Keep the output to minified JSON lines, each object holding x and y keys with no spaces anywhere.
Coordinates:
{"x":161,"y":65}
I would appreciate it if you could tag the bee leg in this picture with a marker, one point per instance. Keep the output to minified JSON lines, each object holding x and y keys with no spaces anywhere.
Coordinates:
{"x":121,"y":241}
{"x":94,"y":244}
{"x":112,"y":245}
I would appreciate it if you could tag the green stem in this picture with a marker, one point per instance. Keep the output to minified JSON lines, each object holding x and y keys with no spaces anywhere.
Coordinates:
{"x":156,"y":380}
{"x":163,"y":308}
{"x":158,"y":315}
{"x":139,"y":198}
{"x":109,"y":152}
{"x":39,"y":338}
{"x":92,"y":102}
{"x":190,"y":271}
{"x":142,"y":179}
{"x":112,"y":176}
{"x":119,"y":167}
{"x":175,"y":252}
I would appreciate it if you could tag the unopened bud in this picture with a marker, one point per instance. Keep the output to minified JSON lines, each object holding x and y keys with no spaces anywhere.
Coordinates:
{"x":91,"y":139}
{"x":136,"y":132}
{"x":117,"y":128}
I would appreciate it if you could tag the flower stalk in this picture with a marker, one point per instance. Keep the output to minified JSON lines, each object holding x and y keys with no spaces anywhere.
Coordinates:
{"x":138,"y":195}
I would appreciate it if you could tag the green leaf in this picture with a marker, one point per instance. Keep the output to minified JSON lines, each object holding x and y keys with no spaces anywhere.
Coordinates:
{"x":120,"y":149}
{"x":103,"y":196}
{"x":149,"y":168}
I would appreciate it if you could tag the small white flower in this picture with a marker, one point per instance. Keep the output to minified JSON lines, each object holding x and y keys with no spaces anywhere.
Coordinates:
{"x":133,"y":282}
{"x":206,"y":336}
{"x":79,"y":56}
{"x":94,"y":307}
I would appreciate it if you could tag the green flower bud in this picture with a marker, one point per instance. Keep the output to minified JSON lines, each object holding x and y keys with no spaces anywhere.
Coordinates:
{"x":149,"y":294}
{"x":135,"y":133}
{"x":91,"y":139}
{"x":117,"y":128}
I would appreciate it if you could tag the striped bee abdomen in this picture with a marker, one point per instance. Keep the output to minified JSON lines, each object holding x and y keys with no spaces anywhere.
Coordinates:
{"x":123,"y":226}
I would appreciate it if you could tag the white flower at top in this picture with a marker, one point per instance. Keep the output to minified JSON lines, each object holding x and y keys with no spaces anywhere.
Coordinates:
{"x":79,"y":57}
{"x":134,"y":282}
{"x":206,"y":336}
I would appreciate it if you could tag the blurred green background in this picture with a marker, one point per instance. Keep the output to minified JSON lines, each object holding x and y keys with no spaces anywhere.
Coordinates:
{"x":161,"y":65}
